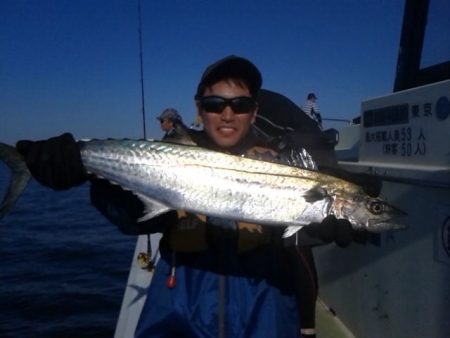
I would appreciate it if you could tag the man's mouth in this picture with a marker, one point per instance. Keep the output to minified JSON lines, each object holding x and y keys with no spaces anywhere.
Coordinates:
{"x":226,"y":130}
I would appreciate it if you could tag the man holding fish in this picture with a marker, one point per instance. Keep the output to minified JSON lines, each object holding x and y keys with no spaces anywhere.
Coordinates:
{"x":220,"y":274}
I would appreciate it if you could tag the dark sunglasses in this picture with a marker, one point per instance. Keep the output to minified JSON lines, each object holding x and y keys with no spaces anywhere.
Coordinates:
{"x":216,"y":104}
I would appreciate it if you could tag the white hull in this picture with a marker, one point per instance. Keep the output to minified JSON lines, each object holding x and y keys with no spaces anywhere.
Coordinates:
{"x":400,"y":287}
{"x":136,"y":290}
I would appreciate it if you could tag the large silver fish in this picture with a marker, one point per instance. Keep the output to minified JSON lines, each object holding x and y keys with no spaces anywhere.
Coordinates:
{"x":170,"y":176}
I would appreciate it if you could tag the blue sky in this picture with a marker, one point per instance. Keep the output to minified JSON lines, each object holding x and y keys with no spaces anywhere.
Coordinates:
{"x":74,"y":65}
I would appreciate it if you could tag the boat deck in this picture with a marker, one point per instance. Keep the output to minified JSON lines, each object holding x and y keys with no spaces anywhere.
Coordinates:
{"x":328,"y":324}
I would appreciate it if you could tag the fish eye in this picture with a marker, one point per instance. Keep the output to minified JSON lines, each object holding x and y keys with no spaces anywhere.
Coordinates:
{"x":376,"y":207}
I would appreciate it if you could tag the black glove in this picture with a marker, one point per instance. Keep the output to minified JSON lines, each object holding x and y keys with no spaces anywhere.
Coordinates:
{"x":55,"y":163}
{"x":371,"y":184}
{"x":332,"y":229}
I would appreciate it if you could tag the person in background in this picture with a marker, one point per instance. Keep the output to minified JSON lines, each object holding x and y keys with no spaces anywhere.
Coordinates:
{"x":216,"y":277}
{"x":168,"y":119}
{"x":310,"y":107}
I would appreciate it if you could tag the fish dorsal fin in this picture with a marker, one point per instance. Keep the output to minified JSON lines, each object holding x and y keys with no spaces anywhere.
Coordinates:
{"x":291,"y":230}
{"x":152,"y":208}
{"x":315,"y":194}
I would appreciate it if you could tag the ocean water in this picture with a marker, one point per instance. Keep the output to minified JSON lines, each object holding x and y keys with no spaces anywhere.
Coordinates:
{"x":63,"y":267}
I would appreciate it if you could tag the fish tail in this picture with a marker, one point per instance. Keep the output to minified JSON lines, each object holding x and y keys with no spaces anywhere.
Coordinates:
{"x":20,"y":176}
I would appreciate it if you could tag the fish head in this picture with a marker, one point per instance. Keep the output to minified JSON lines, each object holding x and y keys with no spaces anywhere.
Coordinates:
{"x":372,"y":214}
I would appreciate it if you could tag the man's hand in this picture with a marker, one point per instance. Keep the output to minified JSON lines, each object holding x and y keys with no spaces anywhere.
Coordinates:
{"x":55,"y":163}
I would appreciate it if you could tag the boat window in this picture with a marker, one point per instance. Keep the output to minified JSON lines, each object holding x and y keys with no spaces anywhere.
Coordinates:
{"x":436,"y":46}
{"x":386,"y":116}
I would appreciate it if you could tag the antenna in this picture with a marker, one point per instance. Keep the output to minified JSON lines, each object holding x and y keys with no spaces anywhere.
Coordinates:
{"x":142,"y":70}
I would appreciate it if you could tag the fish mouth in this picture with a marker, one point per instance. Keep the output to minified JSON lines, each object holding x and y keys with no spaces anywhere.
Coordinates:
{"x":386,"y":224}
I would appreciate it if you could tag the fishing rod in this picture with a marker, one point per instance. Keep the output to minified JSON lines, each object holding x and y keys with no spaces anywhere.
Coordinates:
{"x":142,"y":69}
{"x":336,"y":120}
{"x":144,"y":258}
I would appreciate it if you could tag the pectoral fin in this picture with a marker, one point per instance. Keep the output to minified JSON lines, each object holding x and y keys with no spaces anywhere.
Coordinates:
{"x":152,"y":208}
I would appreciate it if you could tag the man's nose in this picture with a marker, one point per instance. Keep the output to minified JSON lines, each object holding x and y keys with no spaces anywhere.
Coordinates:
{"x":227,"y":114}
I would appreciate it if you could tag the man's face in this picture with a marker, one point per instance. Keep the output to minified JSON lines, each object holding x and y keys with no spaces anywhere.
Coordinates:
{"x":226,"y":128}
{"x":166,"y":125}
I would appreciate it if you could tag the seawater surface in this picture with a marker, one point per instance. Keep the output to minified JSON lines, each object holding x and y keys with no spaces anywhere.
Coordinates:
{"x":63,"y":266}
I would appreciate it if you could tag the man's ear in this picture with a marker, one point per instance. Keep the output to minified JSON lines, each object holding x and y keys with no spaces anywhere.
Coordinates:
{"x":197,"y":105}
